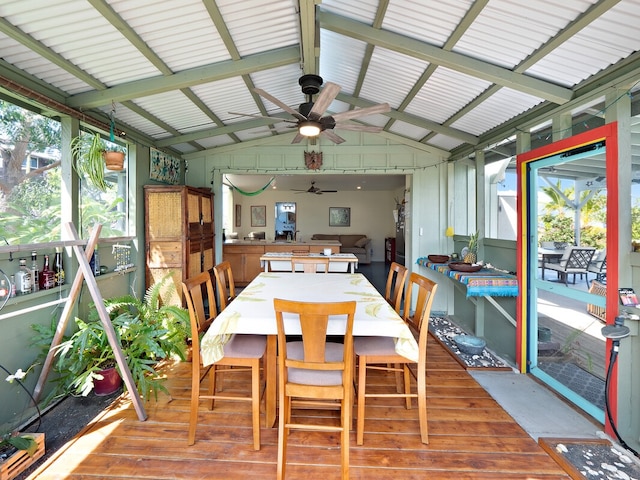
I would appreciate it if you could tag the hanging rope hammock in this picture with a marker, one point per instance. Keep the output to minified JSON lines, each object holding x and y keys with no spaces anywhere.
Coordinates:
{"x":249,"y":194}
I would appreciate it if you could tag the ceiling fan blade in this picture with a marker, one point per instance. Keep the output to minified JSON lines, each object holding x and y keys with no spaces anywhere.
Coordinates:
{"x":359,"y":128}
{"x":361,"y":112}
{"x":275,"y":119}
{"x":327,"y":95}
{"x":298,"y":138}
{"x":329,"y":191}
{"x":332,"y":136}
{"x":277,"y":102}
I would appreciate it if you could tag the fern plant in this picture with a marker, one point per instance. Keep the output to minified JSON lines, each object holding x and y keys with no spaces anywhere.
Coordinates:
{"x":147,"y":331}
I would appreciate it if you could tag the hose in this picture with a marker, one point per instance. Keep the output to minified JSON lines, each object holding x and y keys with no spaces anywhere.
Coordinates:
{"x":612,"y":360}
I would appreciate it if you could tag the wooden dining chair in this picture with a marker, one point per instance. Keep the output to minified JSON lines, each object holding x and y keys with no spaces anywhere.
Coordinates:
{"x":309,"y":264}
{"x":224,"y":284}
{"x":315,"y":372}
{"x":242,"y":351}
{"x":377,"y":353}
{"x":395,"y":285}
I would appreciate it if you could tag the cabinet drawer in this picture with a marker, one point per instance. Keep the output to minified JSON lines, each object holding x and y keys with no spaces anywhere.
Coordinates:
{"x":165,"y":254}
{"x":243,"y":249}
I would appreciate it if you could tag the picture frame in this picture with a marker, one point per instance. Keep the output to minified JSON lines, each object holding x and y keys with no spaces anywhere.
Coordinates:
{"x":339,"y":216}
{"x":258,"y":215}
{"x":238,"y":216}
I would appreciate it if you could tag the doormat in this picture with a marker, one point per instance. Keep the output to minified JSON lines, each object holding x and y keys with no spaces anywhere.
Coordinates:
{"x":444,"y":330}
{"x":591,"y":458}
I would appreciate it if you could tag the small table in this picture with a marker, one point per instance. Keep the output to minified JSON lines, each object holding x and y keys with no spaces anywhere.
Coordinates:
{"x":550,"y":255}
{"x":252,"y":312}
{"x":281,"y":261}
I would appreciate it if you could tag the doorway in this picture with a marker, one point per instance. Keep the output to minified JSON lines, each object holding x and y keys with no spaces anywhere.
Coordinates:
{"x":569,"y":218}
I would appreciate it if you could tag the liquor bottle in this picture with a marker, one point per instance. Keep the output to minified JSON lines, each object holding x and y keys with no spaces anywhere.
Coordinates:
{"x":47,"y":277}
{"x":35,"y":274}
{"x":96,"y":262}
{"x":58,"y":267}
{"x":12,"y":281}
{"x":5,"y":290}
{"x":23,"y":278}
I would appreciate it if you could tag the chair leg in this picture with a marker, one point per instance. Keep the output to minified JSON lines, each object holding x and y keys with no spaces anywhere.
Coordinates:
{"x":407,"y":385}
{"x":193,"y":413}
{"x":362,"y":382}
{"x":422,"y":407}
{"x":214,"y":372}
{"x":283,"y":433}
{"x":346,"y":422}
{"x":255,"y":402}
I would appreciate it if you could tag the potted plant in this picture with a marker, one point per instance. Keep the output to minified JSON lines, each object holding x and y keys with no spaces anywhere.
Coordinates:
{"x":90,"y":156}
{"x":148,"y":332}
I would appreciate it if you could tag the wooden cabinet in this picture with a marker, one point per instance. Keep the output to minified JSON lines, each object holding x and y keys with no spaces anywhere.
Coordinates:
{"x":245,"y":262}
{"x":179,"y":235}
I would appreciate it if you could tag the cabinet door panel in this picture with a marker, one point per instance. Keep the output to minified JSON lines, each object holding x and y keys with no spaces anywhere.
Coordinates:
{"x":165,"y":254}
{"x":236,"y":260}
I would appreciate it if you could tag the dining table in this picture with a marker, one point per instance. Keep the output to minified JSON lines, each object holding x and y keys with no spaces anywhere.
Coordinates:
{"x":252,"y":312}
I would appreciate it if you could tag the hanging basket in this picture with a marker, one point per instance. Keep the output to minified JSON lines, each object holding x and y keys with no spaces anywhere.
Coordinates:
{"x":20,"y":460}
{"x":114,"y":160}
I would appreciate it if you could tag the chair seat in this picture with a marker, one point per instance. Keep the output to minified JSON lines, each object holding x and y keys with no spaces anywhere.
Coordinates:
{"x":245,"y":346}
{"x":333,"y":353}
{"x":374,"y":346}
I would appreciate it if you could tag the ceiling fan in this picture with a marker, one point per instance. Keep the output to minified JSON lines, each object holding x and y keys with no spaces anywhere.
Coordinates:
{"x":310,"y":121}
{"x":314,"y":189}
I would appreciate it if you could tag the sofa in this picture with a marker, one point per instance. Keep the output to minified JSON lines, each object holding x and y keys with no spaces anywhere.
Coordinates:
{"x":359,"y":245}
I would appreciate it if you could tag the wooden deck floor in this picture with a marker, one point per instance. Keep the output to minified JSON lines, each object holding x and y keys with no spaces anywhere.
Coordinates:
{"x":471,"y":437}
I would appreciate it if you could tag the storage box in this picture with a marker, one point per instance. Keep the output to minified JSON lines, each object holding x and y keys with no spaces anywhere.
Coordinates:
{"x":20,"y":460}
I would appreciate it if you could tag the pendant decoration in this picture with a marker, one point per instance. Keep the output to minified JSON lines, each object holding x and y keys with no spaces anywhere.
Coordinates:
{"x":313,"y":160}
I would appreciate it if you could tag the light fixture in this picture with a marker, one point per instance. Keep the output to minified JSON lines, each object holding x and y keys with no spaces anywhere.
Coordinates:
{"x":309,"y":129}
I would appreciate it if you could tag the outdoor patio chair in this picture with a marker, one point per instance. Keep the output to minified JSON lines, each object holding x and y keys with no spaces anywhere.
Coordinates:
{"x":598,"y":266}
{"x":314,"y":372}
{"x":379,"y":353}
{"x":243,"y":352}
{"x":575,"y":261}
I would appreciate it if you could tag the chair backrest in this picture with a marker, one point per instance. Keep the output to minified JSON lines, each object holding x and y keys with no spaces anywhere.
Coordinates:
{"x":418,"y":318}
{"x":579,"y":258}
{"x":395,"y":285}
{"x":309,"y":264}
{"x":201,"y":302}
{"x":224,"y":284}
{"x":314,"y":356}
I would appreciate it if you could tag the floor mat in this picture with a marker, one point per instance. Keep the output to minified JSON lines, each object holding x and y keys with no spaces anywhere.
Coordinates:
{"x":580,"y":381}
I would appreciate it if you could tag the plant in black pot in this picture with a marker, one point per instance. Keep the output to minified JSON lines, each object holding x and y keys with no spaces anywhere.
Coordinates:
{"x":148,"y":332}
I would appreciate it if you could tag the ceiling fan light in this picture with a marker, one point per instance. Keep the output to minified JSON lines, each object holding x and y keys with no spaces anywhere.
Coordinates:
{"x":309,"y":129}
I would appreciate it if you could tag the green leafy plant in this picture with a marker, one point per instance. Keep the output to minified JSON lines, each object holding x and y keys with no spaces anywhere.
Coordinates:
{"x":147,"y":331}
{"x":87,"y":152}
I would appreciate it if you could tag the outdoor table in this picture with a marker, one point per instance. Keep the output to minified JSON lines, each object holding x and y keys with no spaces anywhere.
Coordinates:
{"x":252,"y":312}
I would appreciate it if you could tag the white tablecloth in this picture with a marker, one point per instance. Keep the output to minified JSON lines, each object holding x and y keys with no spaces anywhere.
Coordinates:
{"x":252,"y":311}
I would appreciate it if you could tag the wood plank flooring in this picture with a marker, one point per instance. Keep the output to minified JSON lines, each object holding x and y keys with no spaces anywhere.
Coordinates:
{"x":470,"y":437}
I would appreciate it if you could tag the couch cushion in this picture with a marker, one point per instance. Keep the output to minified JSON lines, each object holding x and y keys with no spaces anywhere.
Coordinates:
{"x":349,"y":241}
{"x":325,"y":236}
{"x":362,"y":242}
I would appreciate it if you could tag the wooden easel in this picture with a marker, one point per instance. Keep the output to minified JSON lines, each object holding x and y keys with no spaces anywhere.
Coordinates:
{"x":85,"y":273}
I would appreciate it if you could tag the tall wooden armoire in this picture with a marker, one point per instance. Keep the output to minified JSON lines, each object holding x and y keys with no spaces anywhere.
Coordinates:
{"x":179,"y":234}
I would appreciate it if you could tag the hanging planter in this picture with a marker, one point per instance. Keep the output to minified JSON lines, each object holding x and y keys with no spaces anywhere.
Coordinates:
{"x":113,"y":160}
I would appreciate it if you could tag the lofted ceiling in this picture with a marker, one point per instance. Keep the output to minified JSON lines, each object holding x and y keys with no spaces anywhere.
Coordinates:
{"x":459,"y":75}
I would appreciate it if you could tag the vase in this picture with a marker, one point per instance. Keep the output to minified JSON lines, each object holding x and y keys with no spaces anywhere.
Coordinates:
{"x":109,"y":384}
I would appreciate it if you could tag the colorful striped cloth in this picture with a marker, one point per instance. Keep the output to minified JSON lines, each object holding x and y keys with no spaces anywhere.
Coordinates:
{"x":482,"y":283}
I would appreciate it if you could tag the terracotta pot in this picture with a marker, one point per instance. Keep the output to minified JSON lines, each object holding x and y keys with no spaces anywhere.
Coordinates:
{"x":113,"y":160}
{"x":109,"y":384}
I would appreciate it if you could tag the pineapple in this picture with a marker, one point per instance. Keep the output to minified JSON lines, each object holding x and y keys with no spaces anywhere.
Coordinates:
{"x":472,"y":255}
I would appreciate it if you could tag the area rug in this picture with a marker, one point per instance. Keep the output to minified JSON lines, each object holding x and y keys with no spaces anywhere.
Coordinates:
{"x":444,"y":330}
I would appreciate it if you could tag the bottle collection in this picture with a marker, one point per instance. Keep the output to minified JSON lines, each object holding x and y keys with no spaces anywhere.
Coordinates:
{"x":31,"y":279}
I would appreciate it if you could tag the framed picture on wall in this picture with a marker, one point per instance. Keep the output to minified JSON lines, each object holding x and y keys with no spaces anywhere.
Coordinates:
{"x":339,"y":216}
{"x":258,"y":215}
{"x":238,"y":215}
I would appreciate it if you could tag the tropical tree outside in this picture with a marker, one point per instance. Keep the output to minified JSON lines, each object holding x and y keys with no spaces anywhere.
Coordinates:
{"x":30,"y":183}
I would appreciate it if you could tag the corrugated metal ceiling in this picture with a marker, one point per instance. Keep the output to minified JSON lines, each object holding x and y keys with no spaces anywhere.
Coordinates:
{"x":455,"y":72}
